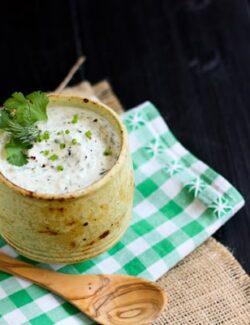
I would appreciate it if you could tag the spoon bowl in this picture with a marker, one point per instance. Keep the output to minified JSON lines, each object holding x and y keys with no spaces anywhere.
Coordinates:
{"x":120,"y":299}
{"x":107,"y":299}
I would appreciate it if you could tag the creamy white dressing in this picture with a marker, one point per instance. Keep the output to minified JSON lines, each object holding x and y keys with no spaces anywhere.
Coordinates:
{"x":83,"y":163}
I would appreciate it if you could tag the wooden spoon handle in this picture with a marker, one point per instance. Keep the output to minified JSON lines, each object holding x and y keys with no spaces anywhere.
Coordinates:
{"x":42,"y":277}
{"x":66,"y":285}
{"x":11,"y":265}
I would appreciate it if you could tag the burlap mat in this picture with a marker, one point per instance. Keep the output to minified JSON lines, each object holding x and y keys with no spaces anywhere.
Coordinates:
{"x":208,"y":287}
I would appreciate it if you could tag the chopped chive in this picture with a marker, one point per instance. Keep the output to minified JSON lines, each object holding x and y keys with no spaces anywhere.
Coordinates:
{"x":75,"y":119}
{"x":46,"y":135}
{"x":59,"y":168}
{"x":107,"y":152}
{"x":67,"y":131}
{"x":62,"y":145}
{"x":39,"y":138}
{"x":88,"y":134}
{"x":53,"y":157}
{"x":45,"y":152}
{"x":74,"y":141}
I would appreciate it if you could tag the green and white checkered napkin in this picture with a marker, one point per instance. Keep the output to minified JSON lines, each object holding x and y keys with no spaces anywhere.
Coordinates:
{"x":179,"y":202}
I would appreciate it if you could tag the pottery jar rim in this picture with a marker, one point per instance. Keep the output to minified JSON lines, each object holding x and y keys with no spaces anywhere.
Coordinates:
{"x":98,"y":107}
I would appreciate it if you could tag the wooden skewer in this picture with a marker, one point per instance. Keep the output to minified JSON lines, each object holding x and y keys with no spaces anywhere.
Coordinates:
{"x":70,"y":74}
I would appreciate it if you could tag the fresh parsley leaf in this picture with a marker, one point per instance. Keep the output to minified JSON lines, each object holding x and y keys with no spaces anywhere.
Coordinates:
{"x":27,"y":111}
{"x":38,"y":106}
{"x":16,"y":153}
{"x":18,"y":107}
{"x":17,"y":118}
{"x":4,"y":119}
{"x":17,"y":100}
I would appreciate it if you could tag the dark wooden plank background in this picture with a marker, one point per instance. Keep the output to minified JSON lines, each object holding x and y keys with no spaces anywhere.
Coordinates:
{"x":191,"y":58}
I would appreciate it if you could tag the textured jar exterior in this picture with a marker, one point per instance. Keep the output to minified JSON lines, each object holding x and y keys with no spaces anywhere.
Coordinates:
{"x":74,"y":228}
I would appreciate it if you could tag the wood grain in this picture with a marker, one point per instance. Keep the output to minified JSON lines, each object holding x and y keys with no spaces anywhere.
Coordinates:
{"x":107,"y":299}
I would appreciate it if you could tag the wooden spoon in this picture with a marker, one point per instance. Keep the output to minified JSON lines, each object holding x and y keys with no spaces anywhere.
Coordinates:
{"x":107,"y":299}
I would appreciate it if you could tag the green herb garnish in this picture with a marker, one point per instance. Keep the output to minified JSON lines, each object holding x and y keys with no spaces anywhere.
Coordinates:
{"x":107,"y":152}
{"x":46,"y":135}
{"x":24,"y":134}
{"x":16,"y":152}
{"x":67,"y":131}
{"x":45,"y":152}
{"x":27,"y":110}
{"x":75,"y":119}
{"x":62,"y":145}
{"x":17,"y":117}
{"x":74,"y":141}
{"x":59,"y":168}
{"x":39,"y":138}
{"x":53,"y":157}
{"x":43,"y":136}
{"x":88,"y":134}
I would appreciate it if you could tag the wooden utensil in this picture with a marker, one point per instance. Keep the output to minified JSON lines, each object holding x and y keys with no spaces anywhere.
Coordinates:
{"x":107,"y":299}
